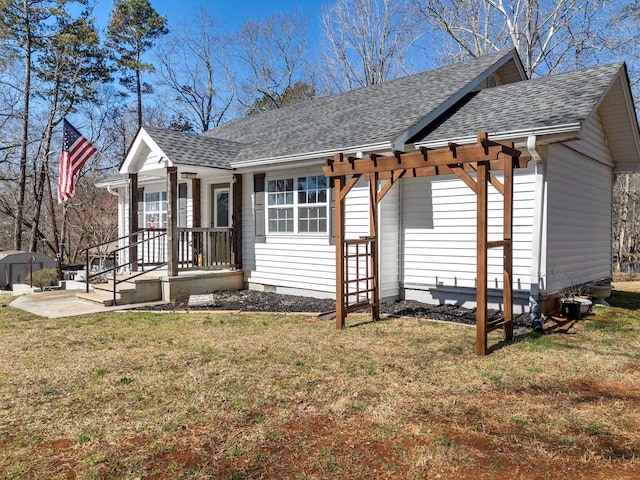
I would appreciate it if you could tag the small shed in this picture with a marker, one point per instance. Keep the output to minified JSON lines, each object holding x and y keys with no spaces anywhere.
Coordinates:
{"x":17,"y":266}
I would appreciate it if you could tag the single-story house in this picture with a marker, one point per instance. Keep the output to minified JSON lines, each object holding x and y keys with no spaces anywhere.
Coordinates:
{"x":255,"y":186}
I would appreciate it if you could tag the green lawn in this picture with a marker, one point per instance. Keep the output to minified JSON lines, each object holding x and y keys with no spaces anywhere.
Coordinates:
{"x":235,"y":396}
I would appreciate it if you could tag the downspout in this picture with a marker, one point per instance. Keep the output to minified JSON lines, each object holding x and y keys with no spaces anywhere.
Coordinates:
{"x":538,"y":233}
{"x":120,"y":210}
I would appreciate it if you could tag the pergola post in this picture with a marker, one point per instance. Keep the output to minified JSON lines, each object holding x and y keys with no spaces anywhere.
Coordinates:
{"x":172,"y":221}
{"x":373,"y":258}
{"x":338,"y":184}
{"x":481,"y":249}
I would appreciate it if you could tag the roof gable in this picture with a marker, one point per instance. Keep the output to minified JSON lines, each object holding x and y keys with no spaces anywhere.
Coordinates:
{"x":154,"y":147}
{"x":550,"y":105}
{"x":620,"y":123}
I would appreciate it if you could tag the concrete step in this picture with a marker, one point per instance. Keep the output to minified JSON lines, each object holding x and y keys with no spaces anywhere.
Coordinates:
{"x":99,"y":297}
{"x":139,"y":290}
{"x":120,"y":288}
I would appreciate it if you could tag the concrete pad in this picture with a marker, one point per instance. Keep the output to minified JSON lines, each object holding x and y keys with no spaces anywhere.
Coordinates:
{"x":61,"y":303}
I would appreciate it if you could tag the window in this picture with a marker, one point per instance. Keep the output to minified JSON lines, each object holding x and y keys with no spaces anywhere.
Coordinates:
{"x":297,"y":205}
{"x":182,"y":205}
{"x":221,"y":207}
{"x":155,"y":209}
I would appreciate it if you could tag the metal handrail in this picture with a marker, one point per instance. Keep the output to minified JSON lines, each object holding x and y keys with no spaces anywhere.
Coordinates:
{"x":90,"y":247}
{"x":139,"y":260}
{"x":114,"y":254}
{"x":217,"y":250}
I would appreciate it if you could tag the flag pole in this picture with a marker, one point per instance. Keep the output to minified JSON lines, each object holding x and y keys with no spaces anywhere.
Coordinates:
{"x":56,"y":244}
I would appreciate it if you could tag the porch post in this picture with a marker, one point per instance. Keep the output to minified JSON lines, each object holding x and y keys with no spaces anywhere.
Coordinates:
{"x":236,"y":222}
{"x":197,"y":201}
{"x":133,"y":220}
{"x":196,"y":220}
{"x":172,"y":221}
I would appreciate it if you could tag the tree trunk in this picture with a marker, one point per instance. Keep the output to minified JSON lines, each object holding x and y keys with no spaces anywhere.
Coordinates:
{"x":22,"y":185}
{"x":139,"y":94}
{"x":622,"y":225}
{"x":40,"y":185}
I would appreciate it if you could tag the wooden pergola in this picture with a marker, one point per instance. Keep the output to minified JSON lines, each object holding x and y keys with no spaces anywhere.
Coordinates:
{"x":357,"y":270}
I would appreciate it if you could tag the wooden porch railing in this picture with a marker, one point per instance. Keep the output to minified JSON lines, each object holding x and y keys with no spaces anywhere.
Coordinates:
{"x":205,"y":248}
{"x":198,"y":248}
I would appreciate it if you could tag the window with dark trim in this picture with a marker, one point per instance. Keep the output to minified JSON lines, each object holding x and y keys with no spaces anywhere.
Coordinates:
{"x":297,"y":205}
{"x":155,"y":209}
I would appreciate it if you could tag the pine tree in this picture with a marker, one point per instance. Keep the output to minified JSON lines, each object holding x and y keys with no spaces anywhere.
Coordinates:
{"x":133,"y":26}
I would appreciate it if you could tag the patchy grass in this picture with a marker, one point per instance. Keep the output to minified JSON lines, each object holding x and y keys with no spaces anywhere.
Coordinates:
{"x":204,"y":395}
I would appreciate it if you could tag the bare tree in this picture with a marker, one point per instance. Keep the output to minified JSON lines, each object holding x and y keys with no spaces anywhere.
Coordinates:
{"x":22,"y":29}
{"x":366,"y":41}
{"x":194,"y":67}
{"x":91,"y":218}
{"x":549,"y":35}
{"x":274,"y":52}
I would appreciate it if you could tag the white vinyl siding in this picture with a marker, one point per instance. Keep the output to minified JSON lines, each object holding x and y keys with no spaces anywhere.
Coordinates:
{"x":248,"y":223}
{"x":593,"y":143}
{"x":389,"y":233}
{"x":439,"y":232}
{"x":579,"y":241}
{"x":299,"y":263}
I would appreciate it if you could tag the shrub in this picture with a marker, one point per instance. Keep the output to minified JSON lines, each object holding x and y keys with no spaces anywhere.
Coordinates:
{"x":44,"y":278}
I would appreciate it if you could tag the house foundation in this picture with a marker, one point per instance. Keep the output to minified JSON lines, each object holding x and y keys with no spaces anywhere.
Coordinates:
{"x":200,"y":282}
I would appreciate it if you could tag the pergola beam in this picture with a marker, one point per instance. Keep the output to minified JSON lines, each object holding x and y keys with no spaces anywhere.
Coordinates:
{"x":435,"y":158}
{"x":498,"y":164}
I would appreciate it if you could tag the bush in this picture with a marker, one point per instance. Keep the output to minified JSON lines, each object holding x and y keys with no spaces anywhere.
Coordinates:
{"x":44,"y":278}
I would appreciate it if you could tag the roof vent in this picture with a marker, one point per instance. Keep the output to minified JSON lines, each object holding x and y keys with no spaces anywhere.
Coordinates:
{"x":493,"y":80}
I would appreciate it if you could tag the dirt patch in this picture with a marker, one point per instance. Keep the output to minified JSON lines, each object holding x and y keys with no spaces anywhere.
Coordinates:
{"x":591,"y":389}
{"x":255,"y":301}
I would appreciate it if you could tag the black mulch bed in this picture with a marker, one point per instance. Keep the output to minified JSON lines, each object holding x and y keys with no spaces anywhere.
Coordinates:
{"x":255,"y":301}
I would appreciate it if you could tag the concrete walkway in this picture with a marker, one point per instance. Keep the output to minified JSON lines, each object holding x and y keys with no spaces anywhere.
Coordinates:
{"x":63,"y":303}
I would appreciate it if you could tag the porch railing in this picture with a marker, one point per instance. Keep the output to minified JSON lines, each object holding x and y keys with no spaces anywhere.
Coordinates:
{"x":146,"y":250}
{"x":205,"y":248}
{"x":150,"y":246}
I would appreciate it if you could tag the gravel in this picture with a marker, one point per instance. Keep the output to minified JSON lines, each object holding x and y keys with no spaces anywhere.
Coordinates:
{"x":255,"y":301}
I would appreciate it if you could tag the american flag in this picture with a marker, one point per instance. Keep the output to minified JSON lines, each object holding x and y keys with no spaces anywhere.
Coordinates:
{"x":76,"y":150}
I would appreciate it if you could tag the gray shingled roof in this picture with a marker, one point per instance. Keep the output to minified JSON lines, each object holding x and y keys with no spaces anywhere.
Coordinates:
{"x":383,"y":112}
{"x":195,"y":150}
{"x":562,"y":99}
{"x":376,"y":114}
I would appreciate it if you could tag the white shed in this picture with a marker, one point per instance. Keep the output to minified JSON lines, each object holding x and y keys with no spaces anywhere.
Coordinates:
{"x":17,"y":266}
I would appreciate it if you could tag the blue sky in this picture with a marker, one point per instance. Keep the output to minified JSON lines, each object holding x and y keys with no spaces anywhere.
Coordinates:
{"x":231,"y":14}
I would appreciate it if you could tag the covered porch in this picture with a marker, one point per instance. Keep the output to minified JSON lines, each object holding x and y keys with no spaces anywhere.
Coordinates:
{"x":179,"y":211}
{"x":148,"y":268}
